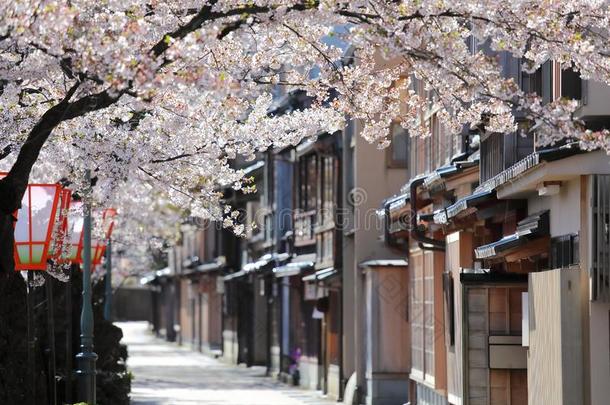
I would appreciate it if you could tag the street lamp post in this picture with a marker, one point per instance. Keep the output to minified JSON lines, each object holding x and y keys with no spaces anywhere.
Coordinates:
{"x":108,"y":290}
{"x":86,"y":358}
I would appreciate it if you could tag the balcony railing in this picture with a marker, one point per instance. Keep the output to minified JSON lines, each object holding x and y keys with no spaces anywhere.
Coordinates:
{"x":500,"y":151}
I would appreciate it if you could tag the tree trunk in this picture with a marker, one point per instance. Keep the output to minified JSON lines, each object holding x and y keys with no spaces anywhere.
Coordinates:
{"x":7,"y":261}
{"x":13,"y":339}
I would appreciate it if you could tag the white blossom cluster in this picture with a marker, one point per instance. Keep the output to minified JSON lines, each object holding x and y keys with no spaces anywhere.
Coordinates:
{"x":163,"y":95}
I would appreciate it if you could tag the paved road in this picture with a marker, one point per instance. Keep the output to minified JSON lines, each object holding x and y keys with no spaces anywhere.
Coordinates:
{"x":166,"y":374}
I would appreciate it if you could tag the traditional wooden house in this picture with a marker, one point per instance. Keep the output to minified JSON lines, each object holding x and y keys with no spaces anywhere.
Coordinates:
{"x":283,"y":305}
{"x":487,"y":228}
{"x":499,"y":240}
{"x":245,"y":310}
{"x":185,"y":296}
{"x":201,"y":290}
{"x":310,"y":282}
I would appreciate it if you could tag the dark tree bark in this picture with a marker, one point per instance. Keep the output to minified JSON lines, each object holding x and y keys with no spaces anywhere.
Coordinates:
{"x":7,"y":262}
{"x":13,"y":339}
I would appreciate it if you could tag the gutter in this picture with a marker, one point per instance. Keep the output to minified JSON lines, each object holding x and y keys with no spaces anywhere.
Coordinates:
{"x":424,"y":242}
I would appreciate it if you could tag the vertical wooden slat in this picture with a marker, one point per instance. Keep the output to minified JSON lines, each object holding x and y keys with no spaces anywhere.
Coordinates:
{"x":606,"y":247}
{"x":595,"y":233}
{"x":596,"y":222}
{"x":477,"y":373}
{"x":601,"y":255}
{"x":593,"y":205}
{"x":600,"y":237}
{"x":606,"y":267}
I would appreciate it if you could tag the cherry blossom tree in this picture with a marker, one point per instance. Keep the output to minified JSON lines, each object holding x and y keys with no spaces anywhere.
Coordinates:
{"x":157,"y":98}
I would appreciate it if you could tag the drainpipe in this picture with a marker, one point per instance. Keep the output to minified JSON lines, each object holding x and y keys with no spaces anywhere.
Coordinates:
{"x":424,"y":242}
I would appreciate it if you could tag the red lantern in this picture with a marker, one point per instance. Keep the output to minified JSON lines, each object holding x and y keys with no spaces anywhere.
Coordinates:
{"x":98,"y":246}
{"x":40,"y":225}
{"x":34,"y":227}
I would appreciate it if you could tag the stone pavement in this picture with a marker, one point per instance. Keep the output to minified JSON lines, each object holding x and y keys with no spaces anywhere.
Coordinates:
{"x":166,"y":374}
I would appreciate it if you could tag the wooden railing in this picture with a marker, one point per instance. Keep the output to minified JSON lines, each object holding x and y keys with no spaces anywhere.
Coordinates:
{"x":500,"y":151}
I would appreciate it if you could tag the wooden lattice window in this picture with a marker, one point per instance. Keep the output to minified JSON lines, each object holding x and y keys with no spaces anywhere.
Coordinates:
{"x":416,"y":312}
{"x":564,"y":251}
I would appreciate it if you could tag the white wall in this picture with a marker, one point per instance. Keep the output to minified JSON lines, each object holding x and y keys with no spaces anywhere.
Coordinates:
{"x":564,"y":206}
{"x":377,"y":183}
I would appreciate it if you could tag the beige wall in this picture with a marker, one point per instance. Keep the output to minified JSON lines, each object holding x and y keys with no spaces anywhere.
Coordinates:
{"x":389,"y":328}
{"x":388,"y":363}
{"x":600,"y":353}
{"x":373,"y":177}
{"x":349,"y":299}
{"x":555,"y":344}
{"x":374,"y":182}
{"x":564,"y":206}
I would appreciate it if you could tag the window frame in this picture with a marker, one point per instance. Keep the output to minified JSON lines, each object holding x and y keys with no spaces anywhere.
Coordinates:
{"x":564,"y":251}
{"x":391,"y":161}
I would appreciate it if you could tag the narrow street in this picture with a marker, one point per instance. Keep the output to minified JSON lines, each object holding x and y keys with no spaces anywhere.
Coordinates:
{"x":166,"y":374}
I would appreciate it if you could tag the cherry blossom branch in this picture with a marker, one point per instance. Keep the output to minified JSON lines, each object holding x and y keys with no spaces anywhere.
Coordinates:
{"x":6,"y":151}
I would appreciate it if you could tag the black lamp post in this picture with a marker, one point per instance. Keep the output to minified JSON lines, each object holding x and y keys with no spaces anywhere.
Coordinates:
{"x":86,"y":358}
